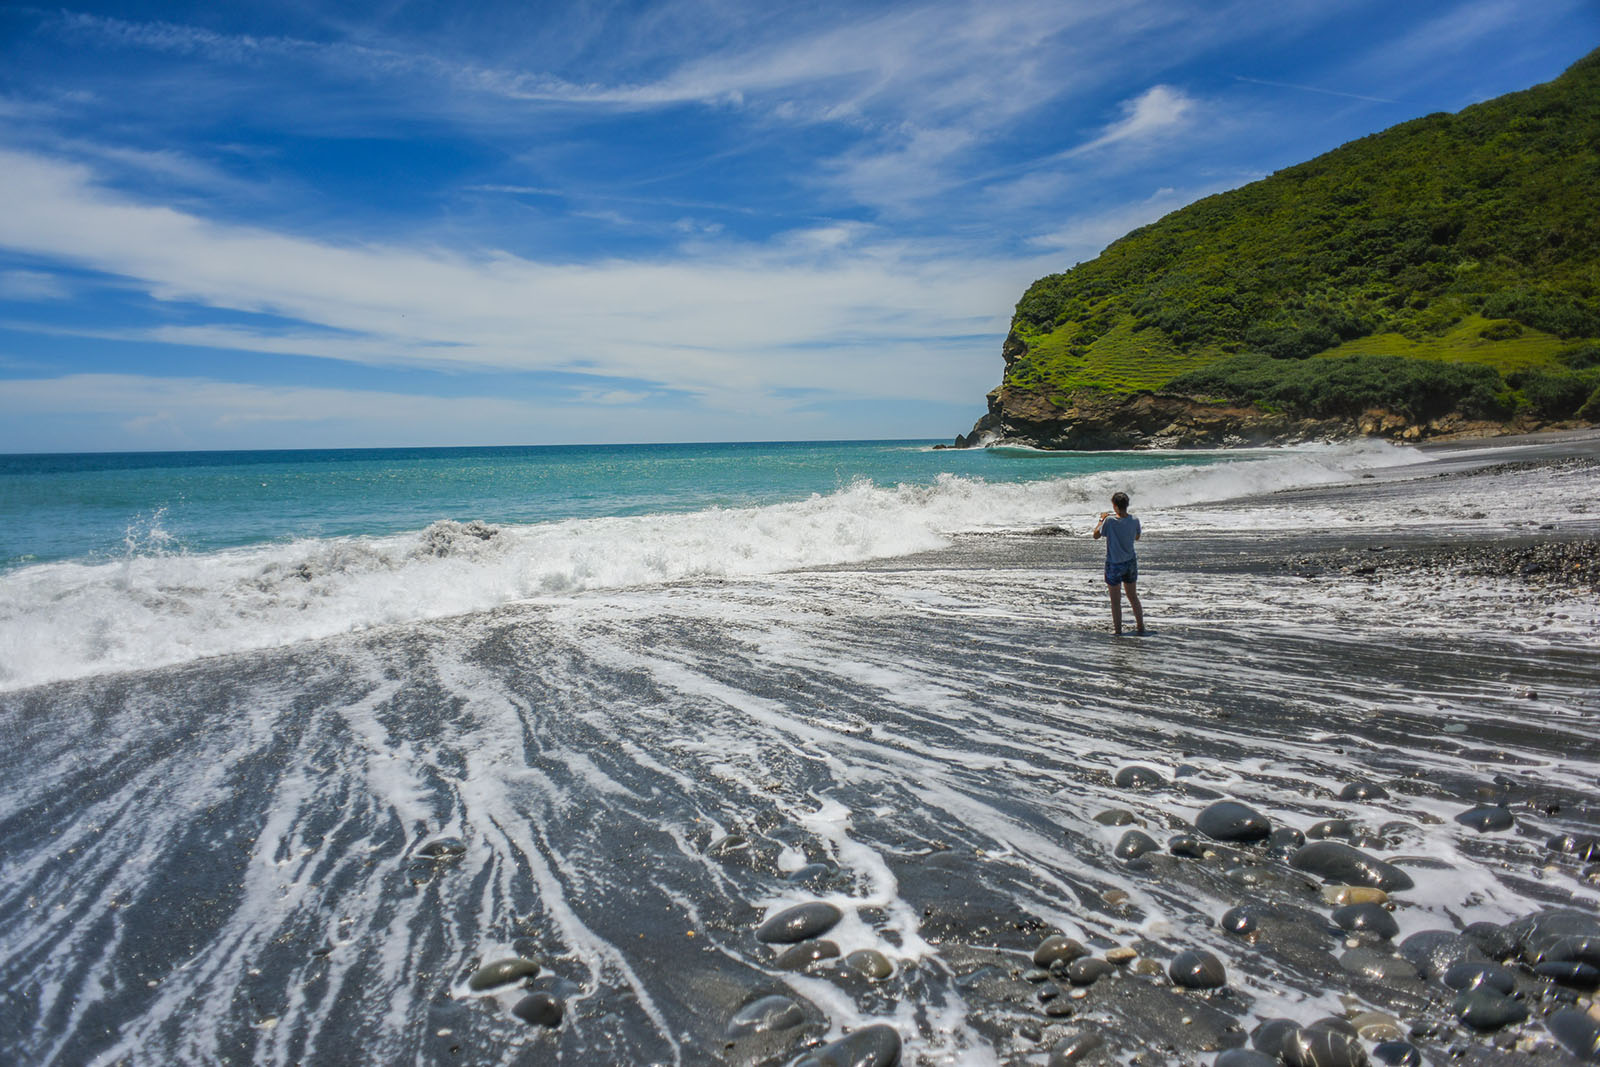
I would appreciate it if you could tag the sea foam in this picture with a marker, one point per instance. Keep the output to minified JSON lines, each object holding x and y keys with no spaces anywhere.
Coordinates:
{"x":157,"y":607}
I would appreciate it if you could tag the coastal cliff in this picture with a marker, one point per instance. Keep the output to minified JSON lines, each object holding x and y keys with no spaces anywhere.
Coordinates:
{"x":1439,"y":278}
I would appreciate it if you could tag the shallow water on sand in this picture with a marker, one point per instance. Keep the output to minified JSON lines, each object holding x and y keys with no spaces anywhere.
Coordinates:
{"x":225,"y":860}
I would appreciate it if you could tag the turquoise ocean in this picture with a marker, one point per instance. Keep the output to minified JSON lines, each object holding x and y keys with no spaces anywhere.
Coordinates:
{"x":112,"y":562}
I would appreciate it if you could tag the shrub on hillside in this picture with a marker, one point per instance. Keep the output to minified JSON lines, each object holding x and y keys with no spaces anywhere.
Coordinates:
{"x":1555,"y":394}
{"x":1348,"y":385}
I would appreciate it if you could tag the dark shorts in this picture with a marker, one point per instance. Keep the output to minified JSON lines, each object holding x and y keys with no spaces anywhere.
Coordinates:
{"x":1117,"y":573}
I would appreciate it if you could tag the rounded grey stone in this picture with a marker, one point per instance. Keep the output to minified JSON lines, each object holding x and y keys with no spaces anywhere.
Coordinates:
{"x":1378,"y":965}
{"x":1075,"y":1048}
{"x":1363,"y":791}
{"x":1229,"y":820}
{"x":1241,"y":922}
{"x":1245,"y":1057}
{"x":1322,"y":1047}
{"x":1137,"y":776}
{"x":1570,"y":973}
{"x":1134,"y":844}
{"x":1186,"y":845}
{"x":502,"y":972}
{"x":1058,"y":947}
{"x":1272,"y":1036}
{"x":871,"y":1046}
{"x":870,"y":963}
{"x":1397,"y":1054}
{"x":1285,"y":837}
{"x":799,"y":957}
{"x":1484,"y":1009}
{"x":1436,"y":951}
{"x":774,"y":1012}
{"x":539,"y":1009}
{"x":1486,"y":818}
{"x":1088,"y":970}
{"x":1196,"y":968}
{"x":1578,"y":1032}
{"x":443,"y":849}
{"x":1367,"y":918}
{"x":1339,"y":863}
{"x":798,"y":923}
{"x":1331,"y":828}
{"x":1116,"y":817}
{"x":1480,"y":975}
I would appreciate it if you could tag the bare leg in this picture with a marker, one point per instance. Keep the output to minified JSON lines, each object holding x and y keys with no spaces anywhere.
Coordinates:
{"x":1138,"y":608}
{"x":1116,"y":607}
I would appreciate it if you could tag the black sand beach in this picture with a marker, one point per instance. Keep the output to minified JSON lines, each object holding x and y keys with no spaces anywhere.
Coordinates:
{"x":306,"y":855}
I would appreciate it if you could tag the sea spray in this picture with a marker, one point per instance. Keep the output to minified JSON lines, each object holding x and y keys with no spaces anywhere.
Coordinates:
{"x":154,"y":606}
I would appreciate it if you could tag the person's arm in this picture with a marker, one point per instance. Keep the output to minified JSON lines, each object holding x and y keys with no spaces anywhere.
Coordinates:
{"x":1103,"y":516}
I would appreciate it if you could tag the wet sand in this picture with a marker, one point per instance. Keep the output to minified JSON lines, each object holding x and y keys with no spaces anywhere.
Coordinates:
{"x":305,"y":855}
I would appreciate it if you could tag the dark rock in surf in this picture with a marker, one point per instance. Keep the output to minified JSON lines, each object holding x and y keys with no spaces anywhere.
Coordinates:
{"x":502,"y":972}
{"x":1285,"y":838}
{"x":1537,"y":933}
{"x":1272,"y":1036}
{"x":1319,"y":1046}
{"x":869,"y":963}
{"x":1197,"y":969}
{"x":1058,"y":948}
{"x":799,"y":957}
{"x":1241,"y":922}
{"x":1088,"y":970}
{"x":1583,"y":848}
{"x":1245,"y":1057}
{"x":769,"y":1013}
{"x":1186,"y":845}
{"x":1331,"y":828}
{"x":1371,"y":919}
{"x":1336,"y":862}
{"x":1135,"y":843}
{"x":1494,"y":940}
{"x":1116,"y":817}
{"x":1574,"y":948}
{"x":1484,"y":1009}
{"x":1570,"y":973}
{"x":1397,"y":1054}
{"x":871,"y":1046}
{"x":1491,"y":976}
{"x":1436,"y":951}
{"x":1075,"y":1048}
{"x":1138,"y":777}
{"x":539,"y":1009}
{"x":1229,"y":820}
{"x":1378,"y":966}
{"x":800,"y":922}
{"x":443,"y":849}
{"x":1486,"y":818}
{"x":1363,"y":791}
{"x":1578,"y":1032}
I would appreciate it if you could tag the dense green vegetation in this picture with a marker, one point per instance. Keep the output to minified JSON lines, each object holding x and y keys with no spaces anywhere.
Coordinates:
{"x":1471,"y":238}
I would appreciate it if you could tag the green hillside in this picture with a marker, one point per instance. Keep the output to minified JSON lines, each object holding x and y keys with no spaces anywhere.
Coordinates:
{"x":1471,"y":238}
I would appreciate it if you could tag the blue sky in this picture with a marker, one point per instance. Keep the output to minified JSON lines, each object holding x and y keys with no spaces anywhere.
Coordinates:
{"x":348,"y":224}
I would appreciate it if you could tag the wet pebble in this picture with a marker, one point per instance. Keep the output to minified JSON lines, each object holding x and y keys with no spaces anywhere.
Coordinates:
{"x":1285,"y":839}
{"x":1494,"y":940}
{"x":1397,"y":1054}
{"x":774,"y":1012}
{"x":1573,"y":948}
{"x":1116,"y":817}
{"x":1371,"y":919}
{"x":1578,"y":1032}
{"x":443,"y":849}
{"x":1058,"y":947}
{"x":1197,"y":969}
{"x":1353,"y":894}
{"x":799,"y":957}
{"x":1327,"y":828}
{"x":1570,"y":973}
{"x":1584,"y":848}
{"x":1137,"y":776}
{"x":1490,"y":976}
{"x":1272,"y":1036}
{"x":1059,"y":1008}
{"x":1186,"y":845}
{"x":1376,"y":1026}
{"x":1486,"y":818}
{"x":870,"y":963}
{"x":1484,"y":1009}
{"x":1379,"y":966}
{"x":1321,"y":1046}
{"x":1229,"y":820}
{"x":1363,"y":791}
{"x":1436,"y":951}
{"x":1134,"y":844}
{"x":1075,"y":1048}
{"x":1087,"y":971}
{"x":1245,"y":1057}
{"x":871,"y":1046}
{"x":1336,"y":862}
{"x":1241,"y":922}
{"x":502,"y":972}
{"x":798,"y":923}
{"x":539,"y":1009}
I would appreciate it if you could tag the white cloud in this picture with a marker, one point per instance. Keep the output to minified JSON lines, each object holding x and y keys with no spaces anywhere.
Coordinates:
{"x":1161,"y":109}
{"x":824,"y":308}
{"x":32,"y":285}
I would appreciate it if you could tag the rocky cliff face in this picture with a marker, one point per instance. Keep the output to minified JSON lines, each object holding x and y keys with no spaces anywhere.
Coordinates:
{"x":1093,"y":421}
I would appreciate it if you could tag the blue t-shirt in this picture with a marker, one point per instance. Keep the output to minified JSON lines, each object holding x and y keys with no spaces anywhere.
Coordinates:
{"x":1119,"y":535}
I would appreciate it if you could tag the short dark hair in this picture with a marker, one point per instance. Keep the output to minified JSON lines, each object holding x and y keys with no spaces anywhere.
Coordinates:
{"x":1119,"y":501}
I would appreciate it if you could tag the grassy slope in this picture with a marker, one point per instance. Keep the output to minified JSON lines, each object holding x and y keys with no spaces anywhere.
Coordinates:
{"x":1404,"y":243}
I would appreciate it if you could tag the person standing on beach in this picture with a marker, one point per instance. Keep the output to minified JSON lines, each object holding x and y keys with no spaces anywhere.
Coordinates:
{"x":1122,"y":564}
